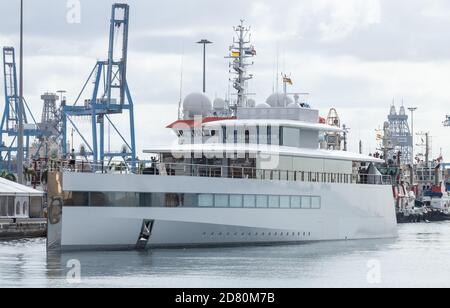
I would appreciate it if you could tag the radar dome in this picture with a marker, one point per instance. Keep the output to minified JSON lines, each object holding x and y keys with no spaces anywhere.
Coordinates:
{"x":279,"y":100}
{"x":219,"y":104}
{"x":263,"y":105}
{"x":251,"y":103}
{"x":196,"y":104}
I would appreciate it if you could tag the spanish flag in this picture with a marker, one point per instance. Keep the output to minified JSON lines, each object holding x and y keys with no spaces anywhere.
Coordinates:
{"x":235,"y":54}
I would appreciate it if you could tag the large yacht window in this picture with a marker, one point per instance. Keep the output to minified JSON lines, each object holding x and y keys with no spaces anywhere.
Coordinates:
{"x":221,"y":201}
{"x":315,"y":203}
{"x":274,"y":201}
{"x":205,"y":200}
{"x":172,"y":200}
{"x":236,"y":201}
{"x":249,"y":201}
{"x":306,"y":202}
{"x":285,"y":202}
{"x":76,"y":198}
{"x":296,"y":202}
{"x":261,"y":201}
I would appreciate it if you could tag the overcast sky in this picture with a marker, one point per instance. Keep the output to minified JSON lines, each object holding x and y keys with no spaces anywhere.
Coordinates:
{"x":354,"y":55}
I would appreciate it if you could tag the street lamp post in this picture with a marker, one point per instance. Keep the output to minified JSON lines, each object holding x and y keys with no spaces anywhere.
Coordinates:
{"x":412,"y":109}
{"x":204,"y":42}
{"x":20,"y":152}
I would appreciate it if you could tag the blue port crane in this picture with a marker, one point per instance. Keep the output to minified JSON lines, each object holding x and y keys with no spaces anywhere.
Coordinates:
{"x":10,"y":118}
{"x":110,"y":96}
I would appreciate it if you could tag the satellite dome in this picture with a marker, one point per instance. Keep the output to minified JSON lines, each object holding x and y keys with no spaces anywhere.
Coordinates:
{"x":197,"y":104}
{"x":219,"y":104}
{"x":251,"y":103}
{"x":278,"y":100}
{"x":263,"y":105}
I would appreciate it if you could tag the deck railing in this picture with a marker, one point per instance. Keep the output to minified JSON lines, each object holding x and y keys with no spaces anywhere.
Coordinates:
{"x":216,"y":171}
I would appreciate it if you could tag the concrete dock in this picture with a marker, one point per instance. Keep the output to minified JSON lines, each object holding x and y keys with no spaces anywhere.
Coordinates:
{"x":22,"y":228}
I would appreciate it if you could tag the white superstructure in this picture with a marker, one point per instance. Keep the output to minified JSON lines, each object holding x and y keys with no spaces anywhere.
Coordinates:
{"x":241,"y":173}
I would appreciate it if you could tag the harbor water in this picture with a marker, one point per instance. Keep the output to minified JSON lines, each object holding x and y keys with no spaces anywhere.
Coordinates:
{"x":420,"y":257}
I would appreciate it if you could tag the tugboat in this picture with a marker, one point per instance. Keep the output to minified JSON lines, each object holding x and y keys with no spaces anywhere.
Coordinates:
{"x":420,"y":191}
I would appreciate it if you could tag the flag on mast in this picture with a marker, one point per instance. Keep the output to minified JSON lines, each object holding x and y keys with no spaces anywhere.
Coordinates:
{"x":235,"y":54}
{"x":287,"y":80}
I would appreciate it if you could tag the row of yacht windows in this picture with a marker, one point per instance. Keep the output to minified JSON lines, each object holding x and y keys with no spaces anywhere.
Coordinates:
{"x":259,"y":201}
{"x":257,"y":135}
{"x":125,"y":199}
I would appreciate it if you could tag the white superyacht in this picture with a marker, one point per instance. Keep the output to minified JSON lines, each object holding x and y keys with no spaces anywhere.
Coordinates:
{"x":240,"y":173}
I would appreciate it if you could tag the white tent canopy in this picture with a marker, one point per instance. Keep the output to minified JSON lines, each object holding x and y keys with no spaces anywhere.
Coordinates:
{"x":8,"y":188}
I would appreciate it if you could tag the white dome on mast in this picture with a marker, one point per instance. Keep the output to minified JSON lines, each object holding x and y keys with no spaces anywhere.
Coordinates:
{"x":196,"y":104}
{"x":219,"y":104}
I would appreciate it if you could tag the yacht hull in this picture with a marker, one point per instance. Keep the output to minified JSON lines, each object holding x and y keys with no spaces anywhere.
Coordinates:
{"x":348,"y":212}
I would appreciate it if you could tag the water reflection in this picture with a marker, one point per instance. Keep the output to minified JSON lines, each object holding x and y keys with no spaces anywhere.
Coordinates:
{"x":250,"y":263}
{"x":420,"y":251}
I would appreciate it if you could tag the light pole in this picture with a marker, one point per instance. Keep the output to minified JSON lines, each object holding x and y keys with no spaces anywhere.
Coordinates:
{"x":412,"y":109}
{"x":204,"y":42}
{"x":20,"y":134}
{"x":61,"y":95}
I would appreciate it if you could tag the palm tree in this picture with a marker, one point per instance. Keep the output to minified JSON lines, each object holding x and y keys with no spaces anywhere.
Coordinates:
{"x":8,"y":176}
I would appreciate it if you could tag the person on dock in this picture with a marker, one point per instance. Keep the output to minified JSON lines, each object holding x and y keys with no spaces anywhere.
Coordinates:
{"x":72,"y":160}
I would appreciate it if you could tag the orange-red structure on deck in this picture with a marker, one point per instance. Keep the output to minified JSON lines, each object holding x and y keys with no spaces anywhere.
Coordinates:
{"x":194,"y":123}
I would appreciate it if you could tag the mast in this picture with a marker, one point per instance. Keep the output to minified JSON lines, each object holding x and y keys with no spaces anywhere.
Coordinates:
{"x":240,"y":51}
{"x":20,"y":135}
